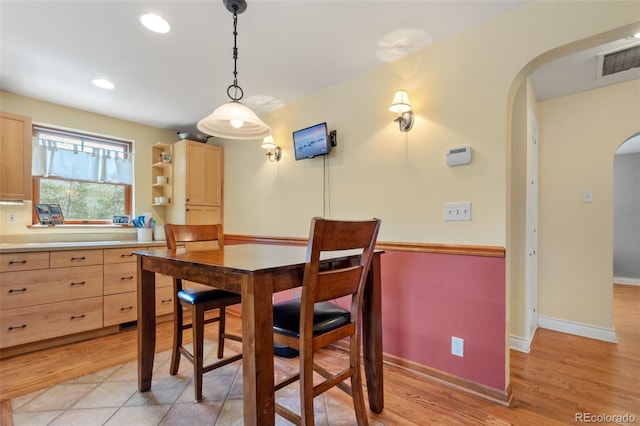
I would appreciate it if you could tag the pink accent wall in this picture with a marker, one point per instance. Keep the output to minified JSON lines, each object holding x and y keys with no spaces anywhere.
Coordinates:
{"x":427,"y":298}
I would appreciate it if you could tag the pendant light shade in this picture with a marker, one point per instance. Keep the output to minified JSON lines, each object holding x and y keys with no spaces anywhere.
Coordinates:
{"x":234,"y":120}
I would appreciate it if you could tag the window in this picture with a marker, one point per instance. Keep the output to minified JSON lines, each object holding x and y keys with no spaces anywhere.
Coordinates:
{"x":90,"y":177}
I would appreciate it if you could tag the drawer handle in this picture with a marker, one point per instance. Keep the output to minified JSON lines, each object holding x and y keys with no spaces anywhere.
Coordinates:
{"x":126,"y":278}
{"x":19,"y":290}
{"x":18,"y":327}
{"x":128,"y":308}
{"x":21,"y":262}
{"x":75,"y":317}
{"x":127,"y":255}
{"x":166,"y":300}
{"x":78,"y":258}
{"x":78,"y":283}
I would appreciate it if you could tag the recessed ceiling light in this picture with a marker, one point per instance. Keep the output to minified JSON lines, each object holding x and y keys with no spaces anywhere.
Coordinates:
{"x":103,"y":84}
{"x":636,"y":35}
{"x":155,"y":23}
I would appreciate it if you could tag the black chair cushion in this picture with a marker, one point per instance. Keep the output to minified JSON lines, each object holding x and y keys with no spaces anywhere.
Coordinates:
{"x":326,"y":316}
{"x":196,"y":296}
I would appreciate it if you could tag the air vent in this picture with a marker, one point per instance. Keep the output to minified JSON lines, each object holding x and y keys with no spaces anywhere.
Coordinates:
{"x":619,"y":60}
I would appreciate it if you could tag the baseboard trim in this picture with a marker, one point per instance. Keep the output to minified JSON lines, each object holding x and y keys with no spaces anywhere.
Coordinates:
{"x":584,"y":330}
{"x":626,"y":280}
{"x":502,"y":398}
{"x":520,"y":344}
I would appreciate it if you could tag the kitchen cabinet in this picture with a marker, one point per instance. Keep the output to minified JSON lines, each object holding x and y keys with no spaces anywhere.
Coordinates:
{"x":120,"y":288}
{"x":198,"y":184}
{"x":54,"y":295}
{"x":161,"y":174}
{"x":49,"y":294}
{"x":15,"y":157}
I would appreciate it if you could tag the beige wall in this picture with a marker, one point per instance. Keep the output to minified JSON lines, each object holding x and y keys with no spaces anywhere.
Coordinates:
{"x":459,"y":89}
{"x":579,"y":135}
{"x":52,"y":114}
{"x":462,"y":91}
{"x":516,"y":219}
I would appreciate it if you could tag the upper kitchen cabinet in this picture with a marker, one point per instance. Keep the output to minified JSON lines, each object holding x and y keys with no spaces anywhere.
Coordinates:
{"x":15,"y":157}
{"x":203,"y":174}
{"x":197,"y":182}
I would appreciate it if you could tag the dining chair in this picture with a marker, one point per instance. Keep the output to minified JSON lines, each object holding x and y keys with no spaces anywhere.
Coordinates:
{"x":315,"y":321}
{"x":198,"y":299}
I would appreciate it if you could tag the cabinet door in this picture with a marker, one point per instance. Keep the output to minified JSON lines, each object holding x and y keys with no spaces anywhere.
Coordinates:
{"x":203,"y":174}
{"x":202,"y":215}
{"x":15,"y":157}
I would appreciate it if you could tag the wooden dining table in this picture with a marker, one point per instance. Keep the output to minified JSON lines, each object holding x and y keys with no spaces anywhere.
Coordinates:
{"x":256,"y":272}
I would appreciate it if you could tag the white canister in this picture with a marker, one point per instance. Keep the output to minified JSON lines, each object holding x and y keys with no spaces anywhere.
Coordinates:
{"x":161,"y":179}
{"x":158,"y":233}
{"x":145,"y":234}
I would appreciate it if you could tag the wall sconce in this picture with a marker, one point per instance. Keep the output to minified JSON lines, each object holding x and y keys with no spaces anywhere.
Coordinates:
{"x":269,"y":144}
{"x":401,"y":106}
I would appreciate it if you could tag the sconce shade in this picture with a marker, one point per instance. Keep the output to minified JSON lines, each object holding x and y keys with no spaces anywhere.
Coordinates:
{"x":221,"y":123}
{"x":400,"y":102}
{"x":268,"y":142}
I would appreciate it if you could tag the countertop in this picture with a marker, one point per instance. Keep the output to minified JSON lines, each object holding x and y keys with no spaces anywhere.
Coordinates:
{"x":75,"y":245}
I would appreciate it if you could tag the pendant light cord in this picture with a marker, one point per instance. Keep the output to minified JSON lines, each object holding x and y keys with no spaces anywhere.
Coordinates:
{"x":237,"y":89}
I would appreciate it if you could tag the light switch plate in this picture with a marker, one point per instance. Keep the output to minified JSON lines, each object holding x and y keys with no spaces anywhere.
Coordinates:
{"x":457,"y":211}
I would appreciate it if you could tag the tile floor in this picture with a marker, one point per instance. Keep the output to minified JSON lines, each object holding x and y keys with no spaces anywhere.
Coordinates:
{"x":110,"y":397}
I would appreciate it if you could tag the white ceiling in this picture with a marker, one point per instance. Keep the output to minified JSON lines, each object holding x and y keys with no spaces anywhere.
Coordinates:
{"x":51,"y":50}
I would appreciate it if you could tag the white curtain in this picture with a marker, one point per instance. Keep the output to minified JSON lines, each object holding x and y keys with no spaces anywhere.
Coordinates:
{"x":99,"y":165}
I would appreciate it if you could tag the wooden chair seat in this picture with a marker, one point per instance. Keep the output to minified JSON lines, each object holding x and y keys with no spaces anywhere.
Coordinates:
{"x":327,"y":316}
{"x":198,"y":295}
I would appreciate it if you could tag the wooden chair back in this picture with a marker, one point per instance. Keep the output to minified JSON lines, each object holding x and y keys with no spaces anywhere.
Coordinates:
{"x":342,"y":280}
{"x":194,"y":237}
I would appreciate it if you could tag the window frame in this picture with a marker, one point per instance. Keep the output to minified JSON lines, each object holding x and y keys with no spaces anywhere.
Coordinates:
{"x":128,"y":188}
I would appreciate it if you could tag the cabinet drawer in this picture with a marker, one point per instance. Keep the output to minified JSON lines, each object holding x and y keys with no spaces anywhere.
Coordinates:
{"x":164,"y":300}
{"x":33,"y":323}
{"x":119,"y":255}
{"x":61,"y":259}
{"x":120,"y":308}
{"x":29,"y":288}
{"x":163,"y":281}
{"x":24,"y":261}
{"x":120,"y":278}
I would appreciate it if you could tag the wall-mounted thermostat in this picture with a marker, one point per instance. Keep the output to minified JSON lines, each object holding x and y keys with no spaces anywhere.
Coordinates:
{"x":458,"y":156}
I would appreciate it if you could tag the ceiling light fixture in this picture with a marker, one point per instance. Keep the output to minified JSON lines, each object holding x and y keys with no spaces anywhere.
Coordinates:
{"x":402,"y":107}
{"x":103,"y":83}
{"x":269,"y":144}
{"x":155,"y":23}
{"x":234,"y":120}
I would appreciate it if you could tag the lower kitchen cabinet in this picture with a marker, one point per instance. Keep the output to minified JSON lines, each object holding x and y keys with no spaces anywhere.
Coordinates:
{"x":51,"y":294}
{"x":42,"y":322}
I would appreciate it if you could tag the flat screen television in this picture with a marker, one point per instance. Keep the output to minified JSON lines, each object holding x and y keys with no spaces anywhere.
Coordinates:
{"x":311,"y":141}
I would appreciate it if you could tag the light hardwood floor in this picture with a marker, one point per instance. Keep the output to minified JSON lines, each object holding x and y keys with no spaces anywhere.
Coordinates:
{"x":560,"y":378}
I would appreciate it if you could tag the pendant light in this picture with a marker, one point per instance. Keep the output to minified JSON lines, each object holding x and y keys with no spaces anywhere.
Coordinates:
{"x":234,"y":120}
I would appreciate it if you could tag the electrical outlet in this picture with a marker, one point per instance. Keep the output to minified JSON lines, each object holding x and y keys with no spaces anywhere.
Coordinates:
{"x":11,"y":217}
{"x":457,"y":346}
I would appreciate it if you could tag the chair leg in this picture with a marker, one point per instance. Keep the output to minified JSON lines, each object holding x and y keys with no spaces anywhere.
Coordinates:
{"x":221,"y":331}
{"x":197,"y":312}
{"x":306,"y":386}
{"x":356,"y":384}
{"x":177,"y":337}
